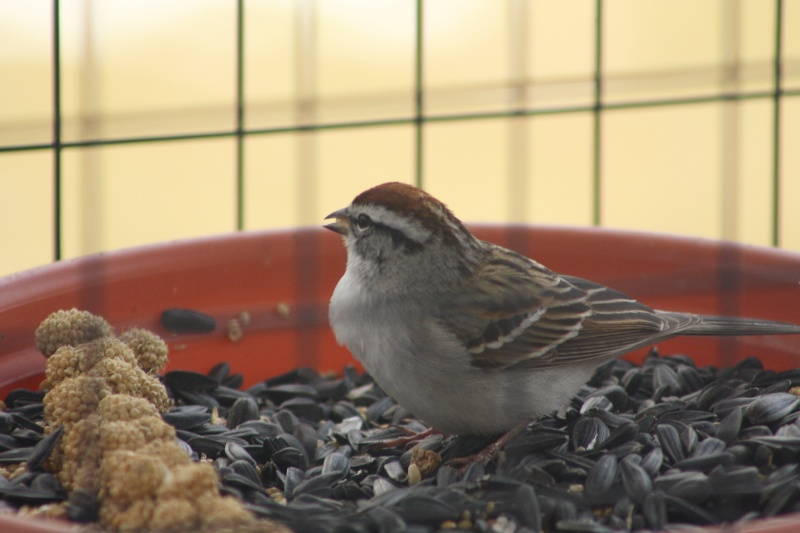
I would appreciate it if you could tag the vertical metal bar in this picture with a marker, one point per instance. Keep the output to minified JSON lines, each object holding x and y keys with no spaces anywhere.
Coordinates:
{"x":517,"y":124}
{"x":598,"y":97}
{"x":728,"y":284}
{"x":240,"y":115}
{"x":56,"y":131}
{"x":418,"y":94}
{"x":307,"y":91}
{"x":730,"y":179}
{"x":776,"y":126}
{"x":307,"y":279}
{"x":89,"y":177}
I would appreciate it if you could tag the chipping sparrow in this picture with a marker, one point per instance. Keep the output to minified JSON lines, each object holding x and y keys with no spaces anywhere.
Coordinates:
{"x":472,"y":337}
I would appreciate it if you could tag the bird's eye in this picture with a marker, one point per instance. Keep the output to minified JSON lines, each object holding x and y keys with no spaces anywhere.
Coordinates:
{"x":363,"y":221}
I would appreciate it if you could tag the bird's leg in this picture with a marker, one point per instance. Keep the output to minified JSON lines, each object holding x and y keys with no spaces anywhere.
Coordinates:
{"x":398,"y":442}
{"x":489,"y":453}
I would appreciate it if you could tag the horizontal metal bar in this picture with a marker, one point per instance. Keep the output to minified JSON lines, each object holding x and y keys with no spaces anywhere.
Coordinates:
{"x":691,"y":100}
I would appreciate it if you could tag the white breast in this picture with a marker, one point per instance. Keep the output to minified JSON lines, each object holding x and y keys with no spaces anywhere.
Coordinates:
{"x":427,"y":371}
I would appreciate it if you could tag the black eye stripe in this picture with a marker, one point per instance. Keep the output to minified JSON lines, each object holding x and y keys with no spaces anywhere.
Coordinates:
{"x":363,"y":221}
{"x":401,"y":239}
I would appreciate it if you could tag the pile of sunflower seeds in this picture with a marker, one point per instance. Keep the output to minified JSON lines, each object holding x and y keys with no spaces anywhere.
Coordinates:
{"x":655,"y":446}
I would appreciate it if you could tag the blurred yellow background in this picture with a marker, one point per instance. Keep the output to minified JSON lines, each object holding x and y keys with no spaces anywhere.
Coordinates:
{"x":155,"y":81}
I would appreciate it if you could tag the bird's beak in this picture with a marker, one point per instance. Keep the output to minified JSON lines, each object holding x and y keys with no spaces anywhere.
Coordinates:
{"x":342,"y":223}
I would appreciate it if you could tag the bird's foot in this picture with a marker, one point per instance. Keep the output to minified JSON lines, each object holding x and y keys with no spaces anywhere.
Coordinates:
{"x":490,"y":452}
{"x":410,"y":437}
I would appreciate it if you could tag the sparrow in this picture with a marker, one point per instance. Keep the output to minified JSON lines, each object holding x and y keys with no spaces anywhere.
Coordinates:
{"x":474,"y":338}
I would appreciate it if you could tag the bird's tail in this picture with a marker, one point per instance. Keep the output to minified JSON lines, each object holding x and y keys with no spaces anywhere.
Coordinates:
{"x":724,"y":325}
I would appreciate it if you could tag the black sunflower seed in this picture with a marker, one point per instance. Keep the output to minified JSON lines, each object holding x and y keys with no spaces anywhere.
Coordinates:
{"x":712,"y":393}
{"x":336,"y":463}
{"x":187,"y":417}
{"x":386,"y":521}
{"x":770,"y":407}
{"x":293,"y":477}
{"x":640,"y":447}
{"x":237,"y":452}
{"x":288,"y":457}
{"x":670,"y":441}
{"x":780,"y":498}
{"x":242,"y":410}
{"x":22,"y":495}
{"x":16,"y":455}
{"x":690,"y":378}
{"x":735,"y":481}
{"x":684,"y":510}
{"x":589,"y":432}
{"x":708,"y":446}
{"x":691,"y":486}
{"x":636,"y":480}
{"x":654,"y":510}
{"x":188,"y":381}
{"x":652,"y":461}
{"x":187,"y":321}
{"x":288,"y":391}
{"x":705,"y":462}
{"x":220,"y":371}
{"x":47,"y":482}
{"x":602,"y":475}
{"x":729,"y":426}
{"x":425,"y":509}
{"x":208,"y":446}
{"x":527,"y":506}
{"x":41,"y":451}
{"x":21,"y":397}
{"x":620,"y":435}
{"x":240,"y":482}
{"x":7,"y":423}
{"x":664,"y":377}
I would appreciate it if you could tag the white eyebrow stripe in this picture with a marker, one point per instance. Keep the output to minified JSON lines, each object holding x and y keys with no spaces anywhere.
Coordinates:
{"x":387,"y":217}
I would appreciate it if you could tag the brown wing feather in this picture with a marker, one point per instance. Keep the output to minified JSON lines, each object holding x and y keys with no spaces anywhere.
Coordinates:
{"x":531,"y":317}
{"x":514,"y":309}
{"x":614,"y":325}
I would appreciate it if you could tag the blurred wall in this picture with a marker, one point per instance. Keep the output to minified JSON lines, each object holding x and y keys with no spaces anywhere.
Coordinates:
{"x":156,"y":83}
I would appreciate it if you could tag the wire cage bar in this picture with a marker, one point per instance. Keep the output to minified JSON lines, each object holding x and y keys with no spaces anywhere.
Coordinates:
{"x":419,"y":119}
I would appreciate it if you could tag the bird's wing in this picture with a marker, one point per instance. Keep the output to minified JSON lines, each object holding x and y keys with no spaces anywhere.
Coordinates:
{"x":616,"y":324}
{"x":518,"y":314}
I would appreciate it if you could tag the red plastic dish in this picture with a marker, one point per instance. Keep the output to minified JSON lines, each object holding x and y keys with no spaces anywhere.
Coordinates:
{"x":284,"y":279}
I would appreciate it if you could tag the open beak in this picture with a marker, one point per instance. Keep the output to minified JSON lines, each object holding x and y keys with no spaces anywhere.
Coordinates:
{"x":342,"y":223}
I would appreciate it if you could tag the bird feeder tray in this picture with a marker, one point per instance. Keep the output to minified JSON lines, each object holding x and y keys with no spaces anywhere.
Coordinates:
{"x":268,"y":294}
